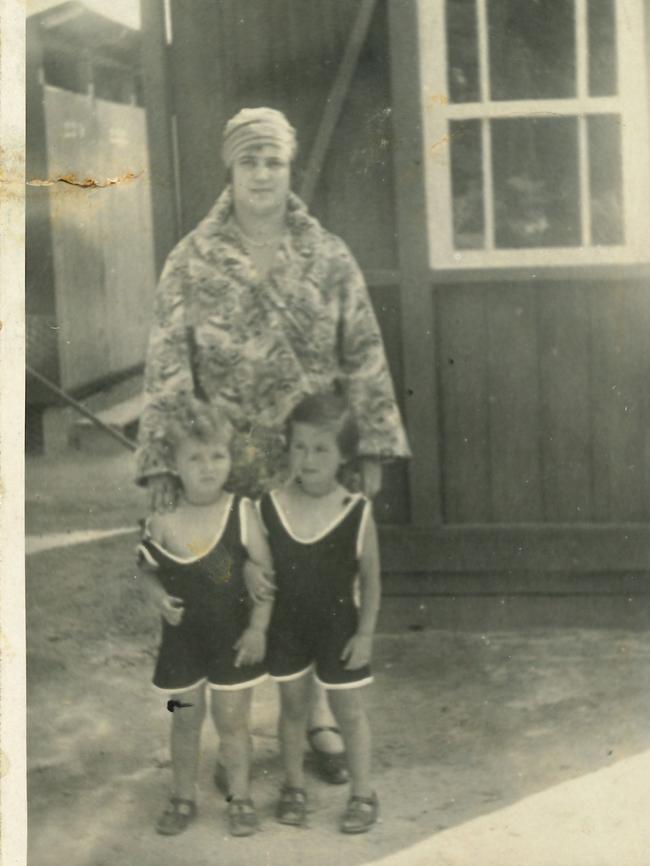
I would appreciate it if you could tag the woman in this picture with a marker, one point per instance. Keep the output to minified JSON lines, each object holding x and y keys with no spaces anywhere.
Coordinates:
{"x":256,"y":308}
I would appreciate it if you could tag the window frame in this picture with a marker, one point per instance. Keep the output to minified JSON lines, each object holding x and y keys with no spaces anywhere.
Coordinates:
{"x":631,"y":105}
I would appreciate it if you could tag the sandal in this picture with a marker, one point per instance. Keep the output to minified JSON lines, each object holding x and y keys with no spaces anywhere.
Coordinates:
{"x":173,"y":821}
{"x":242,"y":817}
{"x":292,"y":806}
{"x":331,"y":766}
{"x":360,"y":814}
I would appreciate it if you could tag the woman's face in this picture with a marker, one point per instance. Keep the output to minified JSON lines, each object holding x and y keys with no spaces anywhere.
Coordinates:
{"x":260,"y":180}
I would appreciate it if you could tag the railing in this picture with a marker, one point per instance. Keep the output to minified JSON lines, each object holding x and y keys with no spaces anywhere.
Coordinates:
{"x":78,"y":407}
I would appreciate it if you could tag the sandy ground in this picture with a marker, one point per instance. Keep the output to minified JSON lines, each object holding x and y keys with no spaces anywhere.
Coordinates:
{"x":488,"y":745}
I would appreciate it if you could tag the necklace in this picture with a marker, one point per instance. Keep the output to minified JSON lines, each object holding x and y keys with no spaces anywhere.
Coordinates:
{"x":259,"y":244}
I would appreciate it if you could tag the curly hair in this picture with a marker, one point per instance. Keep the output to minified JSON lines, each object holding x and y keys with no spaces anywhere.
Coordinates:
{"x":329,"y":409}
{"x":189,"y":417}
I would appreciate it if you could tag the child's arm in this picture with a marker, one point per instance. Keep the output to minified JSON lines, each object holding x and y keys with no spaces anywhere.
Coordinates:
{"x":170,"y":607}
{"x":251,"y":645}
{"x":358,"y":649}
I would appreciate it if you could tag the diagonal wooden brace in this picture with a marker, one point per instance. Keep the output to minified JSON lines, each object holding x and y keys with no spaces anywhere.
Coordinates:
{"x":336,"y":99}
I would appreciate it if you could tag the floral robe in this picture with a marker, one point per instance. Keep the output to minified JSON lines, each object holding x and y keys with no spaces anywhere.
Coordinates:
{"x":257,"y":347}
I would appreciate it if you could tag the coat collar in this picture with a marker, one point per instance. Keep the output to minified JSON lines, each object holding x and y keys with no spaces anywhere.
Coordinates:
{"x":219,"y":225}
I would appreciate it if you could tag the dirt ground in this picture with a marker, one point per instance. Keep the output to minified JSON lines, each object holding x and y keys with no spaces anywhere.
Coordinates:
{"x":464,"y":723}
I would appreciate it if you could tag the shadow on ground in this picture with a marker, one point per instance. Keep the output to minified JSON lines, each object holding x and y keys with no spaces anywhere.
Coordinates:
{"x":464,"y":723}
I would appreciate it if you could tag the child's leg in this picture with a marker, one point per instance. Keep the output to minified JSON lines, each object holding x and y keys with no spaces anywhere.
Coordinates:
{"x":231,"y":715}
{"x":185,"y":738}
{"x":294,"y":701}
{"x":349,"y":711}
{"x":320,"y":716}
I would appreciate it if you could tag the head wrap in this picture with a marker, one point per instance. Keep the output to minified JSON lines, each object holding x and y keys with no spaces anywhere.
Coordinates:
{"x":257,"y":127}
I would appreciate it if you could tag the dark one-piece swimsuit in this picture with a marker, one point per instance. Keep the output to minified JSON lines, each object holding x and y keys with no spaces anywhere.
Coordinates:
{"x":216,"y":611}
{"x":314,"y":613}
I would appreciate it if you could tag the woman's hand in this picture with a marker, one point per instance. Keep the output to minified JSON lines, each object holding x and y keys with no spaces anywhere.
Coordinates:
{"x":257,"y":582}
{"x":251,"y":647}
{"x":163,"y":492}
{"x":171,"y":608}
{"x":357,"y":652}
{"x":370,"y":473}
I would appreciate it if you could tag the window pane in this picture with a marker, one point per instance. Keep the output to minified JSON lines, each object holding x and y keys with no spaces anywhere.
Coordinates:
{"x":536,"y":182}
{"x":467,"y":183}
{"x":605,"y":179}
{"x":462,"y":51}
{"x":532,"y":49}
{"x":601,"y":29}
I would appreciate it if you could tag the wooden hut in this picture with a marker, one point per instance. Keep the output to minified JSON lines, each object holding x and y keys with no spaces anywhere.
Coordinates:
{"x":90,"y":261}
{"x":487,"y":162}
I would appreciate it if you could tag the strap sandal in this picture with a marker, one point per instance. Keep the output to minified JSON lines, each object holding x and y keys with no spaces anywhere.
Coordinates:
{"x":360,"y":814}
{"x":178,"y":815}
{"x":292,"y":806}
{"x":242,"y":817}
{"x":332,"y":767}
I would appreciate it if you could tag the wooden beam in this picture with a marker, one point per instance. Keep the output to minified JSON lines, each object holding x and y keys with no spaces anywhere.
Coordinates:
{"x":64,"y":397}
{"x":418,"y":320}
{"x":616,"y":274}
{"x":39,"y":268}
{"x":382,"y":278}
{"x":336,"y":99}
{"x":539,"y":548}
{"x":509,"y":583}
{"x":156,"y":78}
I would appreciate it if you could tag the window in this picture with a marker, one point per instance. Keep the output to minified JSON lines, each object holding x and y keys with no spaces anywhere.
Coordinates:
{"x":535,"y":120}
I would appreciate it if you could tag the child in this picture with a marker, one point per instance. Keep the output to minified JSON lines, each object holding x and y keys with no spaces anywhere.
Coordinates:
{"x":193,"y":558}
{"x":323,"y":542}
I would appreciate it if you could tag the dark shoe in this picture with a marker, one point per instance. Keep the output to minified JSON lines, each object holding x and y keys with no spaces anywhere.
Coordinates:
{"x":331,"y":767}
{"x":221,"y":779}
{"x":360,"y":814}
{"x":173,"y":821}
{"x":242,"y":818}
{"x":292,"y":806}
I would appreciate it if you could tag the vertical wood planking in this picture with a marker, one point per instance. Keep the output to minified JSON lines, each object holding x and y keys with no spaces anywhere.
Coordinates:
{"x":158,"y":101}
{"x":620,"y":375}
{"x":198,"y":102}
{"x":129,"y":268}
{"x":391,"y":505}
{"x":337,"y":97}
{"x":255,"y":37}
{"x":356,"y":191}
{"x":463,"y":377}
{"x":565,"y":405}
{"x":639,"y":383}
{"x":39,"y":273}
{"x":418,"y":312}
{"x":639,"y":337}
{"x":73,"y":147}
{"x":513,"y":404}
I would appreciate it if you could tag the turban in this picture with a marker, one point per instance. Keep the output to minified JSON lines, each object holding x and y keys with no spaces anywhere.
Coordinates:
{"x":257,"y":127}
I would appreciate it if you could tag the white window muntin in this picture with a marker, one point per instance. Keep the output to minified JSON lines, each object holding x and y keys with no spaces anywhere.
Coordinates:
{"x":630,"y":105}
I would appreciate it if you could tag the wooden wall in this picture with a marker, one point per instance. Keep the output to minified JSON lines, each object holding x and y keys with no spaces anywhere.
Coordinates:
{"x":544,"y":401}
{"x":535,"y":390}
{"x":237,"y":53}
{"x":101,"y":238}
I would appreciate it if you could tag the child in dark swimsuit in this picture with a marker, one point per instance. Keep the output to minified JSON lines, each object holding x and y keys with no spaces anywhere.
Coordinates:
{"x":211,"y":634}
{"x":323,"y":544}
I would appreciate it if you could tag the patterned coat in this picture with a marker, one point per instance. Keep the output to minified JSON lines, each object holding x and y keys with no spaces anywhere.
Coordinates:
{"x":257,"y":347}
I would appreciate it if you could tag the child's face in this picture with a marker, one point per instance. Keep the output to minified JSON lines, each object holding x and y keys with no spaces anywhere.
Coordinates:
{"x":203,"y":468}
{"x":314,"y":457}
